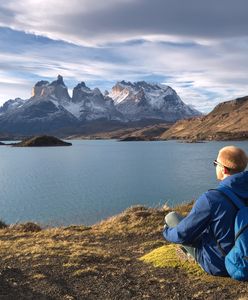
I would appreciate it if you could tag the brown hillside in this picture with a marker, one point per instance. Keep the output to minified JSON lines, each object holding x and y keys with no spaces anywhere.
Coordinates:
{"x":141,"y":132}
{"x":227,"y":121}
{"x":149,"y":133}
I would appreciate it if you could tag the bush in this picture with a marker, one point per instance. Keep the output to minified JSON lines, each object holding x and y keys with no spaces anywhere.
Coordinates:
{"x":28,"y":227}
{"x":3,"y":224}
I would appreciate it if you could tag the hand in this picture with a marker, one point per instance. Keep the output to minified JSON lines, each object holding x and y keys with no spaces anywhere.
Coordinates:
{"x":165,"y":226}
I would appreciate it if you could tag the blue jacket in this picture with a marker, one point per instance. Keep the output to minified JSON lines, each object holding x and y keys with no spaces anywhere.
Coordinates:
{"x":211,"y":218}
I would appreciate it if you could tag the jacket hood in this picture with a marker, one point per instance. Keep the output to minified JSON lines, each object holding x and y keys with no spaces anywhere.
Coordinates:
{"x":238,"y":183}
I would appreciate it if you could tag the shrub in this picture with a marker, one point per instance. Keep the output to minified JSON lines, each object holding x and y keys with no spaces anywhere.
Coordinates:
{"x":3,"y":224}
{"x":28,"y":227}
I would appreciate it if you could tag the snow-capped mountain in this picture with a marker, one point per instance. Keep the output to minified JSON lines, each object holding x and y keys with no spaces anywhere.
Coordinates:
{"x":89,"y":105}
{"x":11,"y":105}
{"x":51,"y":108}
{"x":141,"y":100}
{"x":43,"y":112}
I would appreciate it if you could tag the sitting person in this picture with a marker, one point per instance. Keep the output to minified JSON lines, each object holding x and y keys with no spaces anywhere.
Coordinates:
{"x":207,"y":232}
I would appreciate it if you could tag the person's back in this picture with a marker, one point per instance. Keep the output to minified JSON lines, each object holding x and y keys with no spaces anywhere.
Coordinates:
{"x":209,"y":227}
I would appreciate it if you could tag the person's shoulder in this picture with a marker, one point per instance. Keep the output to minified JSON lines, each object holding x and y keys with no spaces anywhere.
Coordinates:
{"x":214,"y":196}
{"x":212,"y":193}
{"x":210,"y":196}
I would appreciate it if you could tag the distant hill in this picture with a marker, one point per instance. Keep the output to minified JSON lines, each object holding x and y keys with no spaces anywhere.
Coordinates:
{"x":137,"y":132}
{"x":148,"y":133}
{"x":227,"y":121}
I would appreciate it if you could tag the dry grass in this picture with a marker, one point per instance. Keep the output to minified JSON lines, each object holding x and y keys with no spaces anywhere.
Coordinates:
{"x":136,"y":219}
{"x":89,"y":271}
{"x":101,"y":261}
{"x":38,"y":276}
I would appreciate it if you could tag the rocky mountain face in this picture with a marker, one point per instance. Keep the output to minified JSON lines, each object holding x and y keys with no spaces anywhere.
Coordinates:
{"x":56,"y":91}
{"x":51,"y":109}
{"x":43,"y":112}
{"x":141,"y":100}
{"x":90,"y":105}
{"x":227,"y":121}
{"x":11,"y":105}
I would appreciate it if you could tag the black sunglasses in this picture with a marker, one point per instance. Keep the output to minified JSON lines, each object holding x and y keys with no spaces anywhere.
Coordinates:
{"x":215,"y":163}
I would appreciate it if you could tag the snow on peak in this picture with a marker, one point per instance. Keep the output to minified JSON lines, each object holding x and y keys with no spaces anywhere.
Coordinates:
{"x":128,"y":91}
{"x":11,"y":104}
{"x":126,"y":101}
{"x":82,"y":86}
{"x":144,"y":100}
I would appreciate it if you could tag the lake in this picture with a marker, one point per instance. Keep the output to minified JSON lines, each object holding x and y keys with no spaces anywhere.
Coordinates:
{"x":95,"y":179}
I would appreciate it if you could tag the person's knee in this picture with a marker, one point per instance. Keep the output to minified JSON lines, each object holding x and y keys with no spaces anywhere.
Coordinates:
{"x":172,"y":219}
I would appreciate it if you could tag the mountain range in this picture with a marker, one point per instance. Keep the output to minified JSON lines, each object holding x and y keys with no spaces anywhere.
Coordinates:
{"x":51,"y":109}
{"x":227,"y":121}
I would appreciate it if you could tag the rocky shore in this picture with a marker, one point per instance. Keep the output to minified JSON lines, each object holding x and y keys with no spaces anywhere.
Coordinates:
{"x":123,"y":257}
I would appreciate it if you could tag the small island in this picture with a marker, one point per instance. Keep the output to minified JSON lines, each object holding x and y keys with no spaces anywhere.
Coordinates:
{"x":42,"y":141}
{"x":2,"y":144}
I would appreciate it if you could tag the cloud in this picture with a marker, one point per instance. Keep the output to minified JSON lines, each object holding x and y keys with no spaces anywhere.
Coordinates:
{"x":199,"y":73}
{"x":197,"y":47}
{"x":92,"y":21}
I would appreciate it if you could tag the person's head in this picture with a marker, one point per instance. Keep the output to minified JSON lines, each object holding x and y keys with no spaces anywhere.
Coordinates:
{"x":230,"y":160}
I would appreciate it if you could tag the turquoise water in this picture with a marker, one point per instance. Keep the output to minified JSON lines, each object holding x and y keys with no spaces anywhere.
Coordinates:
{"x":92,"y":180}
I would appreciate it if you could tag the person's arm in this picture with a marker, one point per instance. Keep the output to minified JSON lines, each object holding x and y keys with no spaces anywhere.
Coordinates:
{"x":191,"y":227}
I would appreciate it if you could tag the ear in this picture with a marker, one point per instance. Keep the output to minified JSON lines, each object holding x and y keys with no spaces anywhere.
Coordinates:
{"x":226,"y":171}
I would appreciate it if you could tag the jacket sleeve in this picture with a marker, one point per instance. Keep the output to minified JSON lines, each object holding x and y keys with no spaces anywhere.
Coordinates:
{"x":191,"y":227}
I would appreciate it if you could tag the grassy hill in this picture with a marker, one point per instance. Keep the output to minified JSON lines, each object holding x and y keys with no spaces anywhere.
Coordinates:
{"x":124,"y":257}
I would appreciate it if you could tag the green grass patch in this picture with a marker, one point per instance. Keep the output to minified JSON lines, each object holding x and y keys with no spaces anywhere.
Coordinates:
{"x":166,"y":257}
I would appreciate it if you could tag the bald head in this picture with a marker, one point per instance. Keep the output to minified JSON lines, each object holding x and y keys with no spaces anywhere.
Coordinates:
{"x":233,"y":158}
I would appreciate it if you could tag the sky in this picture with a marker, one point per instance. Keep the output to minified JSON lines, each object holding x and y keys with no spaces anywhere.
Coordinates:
{"x":197,"y":47}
